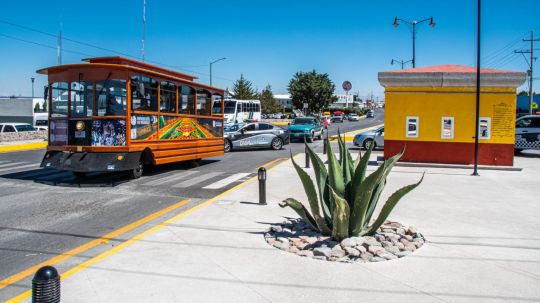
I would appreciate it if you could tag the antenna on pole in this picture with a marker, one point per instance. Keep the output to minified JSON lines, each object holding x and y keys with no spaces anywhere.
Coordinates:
{"x":59,"y":46}
{"x":143,"y":29}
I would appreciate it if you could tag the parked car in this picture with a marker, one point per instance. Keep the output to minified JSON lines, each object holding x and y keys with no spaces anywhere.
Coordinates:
{"x":16,"y":127}
{"x":306,"y":127}
{"x":353,"y":117}
{"x":527,"y":133}
{"x":370,"y":114}
{"x":337,"y":119}
{"x":365,"y":139}
{"x":255,"y":135}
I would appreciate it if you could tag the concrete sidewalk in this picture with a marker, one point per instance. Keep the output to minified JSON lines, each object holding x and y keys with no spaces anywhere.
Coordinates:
{"x":482,"y":246}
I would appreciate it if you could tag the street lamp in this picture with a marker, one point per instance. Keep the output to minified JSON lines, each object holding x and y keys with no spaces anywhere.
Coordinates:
{"x":211,"y":67}
{"x":413,"y":23}
{"x":33,"y":79}
{"x":402,"y":62}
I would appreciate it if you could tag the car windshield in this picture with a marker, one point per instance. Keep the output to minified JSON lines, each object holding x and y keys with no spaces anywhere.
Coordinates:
{"x":233,"y":128}
{"x":230,"y":106}
{"x":24,"y":128}
{"x":301,"y":121}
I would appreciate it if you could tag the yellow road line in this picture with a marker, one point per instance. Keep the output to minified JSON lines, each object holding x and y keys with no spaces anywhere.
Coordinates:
{"x":27,"y":146}
{"x":55,"y":260}
{"x":116,"y":249}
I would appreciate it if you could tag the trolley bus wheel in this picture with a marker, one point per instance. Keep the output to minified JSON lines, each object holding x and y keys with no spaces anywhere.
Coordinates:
{"x":79,"y":174}
{"x":137,"y":171}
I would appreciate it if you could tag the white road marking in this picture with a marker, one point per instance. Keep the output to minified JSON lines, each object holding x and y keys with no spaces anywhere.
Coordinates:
{"x":198,"y":179}
{"x":224,"y":182}
{"x":19,"y":167}
{"x":174,"y":177}
{"x":11,"y":164}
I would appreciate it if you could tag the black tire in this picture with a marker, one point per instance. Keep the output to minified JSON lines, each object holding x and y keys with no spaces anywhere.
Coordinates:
{"x":517,"y":151}
{"x":227,"y":145}
{"x":137,"y":171}
{"x":79,"y":174}
{"x":310,"y":138}
{"x":193,"y":163}
{"x":367,"y":143}
{"x":276,"y":144}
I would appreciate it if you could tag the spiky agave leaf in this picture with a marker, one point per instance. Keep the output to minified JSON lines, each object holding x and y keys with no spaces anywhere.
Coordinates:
{"x":301,"y":210}
{"x":311,"y":194}
{"x":390,"y":204}
{"x":359,"y":173}
{"x":367,"y":188}
{"x":335,"y":176}
{"x":321,"y":175}
{"x":340,"y":218}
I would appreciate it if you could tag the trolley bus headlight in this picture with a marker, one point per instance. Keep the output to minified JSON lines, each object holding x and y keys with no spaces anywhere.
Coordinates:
{"x":79,"y":126}
{"x":120,"y":158}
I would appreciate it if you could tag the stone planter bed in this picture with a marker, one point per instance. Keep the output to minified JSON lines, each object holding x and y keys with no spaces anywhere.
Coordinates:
{"x":392,"y":241}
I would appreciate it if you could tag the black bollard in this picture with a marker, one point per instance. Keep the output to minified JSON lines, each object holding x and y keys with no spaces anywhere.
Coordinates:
{"x":307,"y":158}
{"x":324,"y":146}
{"x":46,"y":286}
{"x":262,"y":185}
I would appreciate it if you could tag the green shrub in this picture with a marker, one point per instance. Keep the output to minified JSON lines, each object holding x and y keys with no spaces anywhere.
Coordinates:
{"x":345,"y":199}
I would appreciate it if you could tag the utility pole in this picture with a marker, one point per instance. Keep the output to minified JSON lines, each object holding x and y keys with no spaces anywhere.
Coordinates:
{"x":143,"y":29}
{"x":33,"y":79}
{"x":413,"y":23}
{"x":59,"y":47}
{"x":530,"y":63}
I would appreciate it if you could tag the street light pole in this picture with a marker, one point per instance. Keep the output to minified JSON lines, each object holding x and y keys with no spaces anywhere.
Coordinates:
{"x":33,"y":79}
{"x":402,"y":62}
{"x":211,"y":67}
{"x":413,"y":24}
{"x":475,"y":171}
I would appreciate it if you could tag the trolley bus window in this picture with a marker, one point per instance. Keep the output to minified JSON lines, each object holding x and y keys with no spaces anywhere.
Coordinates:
{"x":59,"y":99}
{"x":111,"y":98}
{"x":204,"y":105}
{"x":187,"y":100}
{"x":143,"y":93}
{"x":82,"y":98}
{"x":216,"y":107}
{"x":167,"y":97}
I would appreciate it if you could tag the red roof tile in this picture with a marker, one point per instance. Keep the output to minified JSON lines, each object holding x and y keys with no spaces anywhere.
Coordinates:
{"x":450,"y":68}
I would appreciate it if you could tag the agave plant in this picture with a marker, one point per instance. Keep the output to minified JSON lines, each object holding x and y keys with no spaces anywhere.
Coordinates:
{"x":344,"y":200}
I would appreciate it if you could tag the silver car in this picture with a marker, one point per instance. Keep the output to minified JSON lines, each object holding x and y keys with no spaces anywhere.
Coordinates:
{"x":527,"y":133}
{"x":367,"y":138}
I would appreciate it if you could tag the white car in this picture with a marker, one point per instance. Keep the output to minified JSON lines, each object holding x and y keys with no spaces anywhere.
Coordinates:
{"x":16,"y":127}
{"x":527,"y":133}
{"x":353,"y":117}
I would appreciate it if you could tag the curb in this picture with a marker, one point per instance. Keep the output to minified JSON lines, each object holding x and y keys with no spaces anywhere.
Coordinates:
{"x":453,"y":166}
{"x":19,"y":147}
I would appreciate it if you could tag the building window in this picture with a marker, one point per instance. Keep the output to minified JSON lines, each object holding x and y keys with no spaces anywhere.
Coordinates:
{"x":412,"y":127}
{"x":167,"y":96}
{"x":144,"y":93}
{"x":187,"y":100}
{"x":485,"y":128}
{"x":447,"y":128}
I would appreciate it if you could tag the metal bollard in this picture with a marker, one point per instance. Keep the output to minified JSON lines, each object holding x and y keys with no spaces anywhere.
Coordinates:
{"x":46,"y":286}
{"x":307,"y":158}
{"x":324,"y":146}
{"x":262,"y":185}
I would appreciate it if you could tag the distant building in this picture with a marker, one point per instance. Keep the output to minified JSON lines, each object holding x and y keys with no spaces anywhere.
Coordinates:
{"x":343,"y":100}
{"x":18,"y":109}
{"x":285,"y":100}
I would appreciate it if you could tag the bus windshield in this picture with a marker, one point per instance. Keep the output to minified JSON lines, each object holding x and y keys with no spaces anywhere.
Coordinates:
{"x":230,"y":107}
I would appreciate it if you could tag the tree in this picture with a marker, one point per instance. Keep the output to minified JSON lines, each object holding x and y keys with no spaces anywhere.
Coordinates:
{"x":523,"y":93}
{"x":243,"y":89}
{"x":45,"y":106}
{"x":37,"y":108}
{"x":313,"y":88}
{"x":268,"y":103}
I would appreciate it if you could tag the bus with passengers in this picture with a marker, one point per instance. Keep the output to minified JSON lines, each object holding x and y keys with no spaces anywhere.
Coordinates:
{"x":239,"y":111}
{"x":118,"y":114}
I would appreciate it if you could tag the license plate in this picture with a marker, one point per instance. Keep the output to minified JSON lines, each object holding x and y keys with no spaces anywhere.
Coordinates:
{"x":80,"y":134}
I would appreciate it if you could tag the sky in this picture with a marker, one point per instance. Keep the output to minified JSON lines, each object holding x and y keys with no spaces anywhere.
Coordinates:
{"x":266,"y":41}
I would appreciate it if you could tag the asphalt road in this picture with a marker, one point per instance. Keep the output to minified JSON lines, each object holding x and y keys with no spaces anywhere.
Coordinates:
{"x":45,"y":213}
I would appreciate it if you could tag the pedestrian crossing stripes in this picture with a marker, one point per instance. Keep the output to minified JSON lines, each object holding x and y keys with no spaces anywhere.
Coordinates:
{"x":11,"y":164}
{"x":171,"y":178}
{"x":17,"y":166}
{"x":196,"y":180}
{"x":224,"y":182}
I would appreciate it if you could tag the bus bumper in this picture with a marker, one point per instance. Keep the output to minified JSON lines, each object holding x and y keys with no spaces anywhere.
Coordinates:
{"x":90,"y":162}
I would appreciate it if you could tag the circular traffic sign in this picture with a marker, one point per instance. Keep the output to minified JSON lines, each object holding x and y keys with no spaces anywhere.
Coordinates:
{"x":347,"y":85}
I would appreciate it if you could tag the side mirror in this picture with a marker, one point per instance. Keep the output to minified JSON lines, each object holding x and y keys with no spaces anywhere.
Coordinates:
{"x":289,"y":123}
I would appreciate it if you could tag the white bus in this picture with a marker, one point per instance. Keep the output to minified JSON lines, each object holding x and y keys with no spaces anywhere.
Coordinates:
{"x":238,"y":111}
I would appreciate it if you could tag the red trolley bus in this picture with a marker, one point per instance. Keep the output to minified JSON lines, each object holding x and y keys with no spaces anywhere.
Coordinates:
{"x":118,"y":114}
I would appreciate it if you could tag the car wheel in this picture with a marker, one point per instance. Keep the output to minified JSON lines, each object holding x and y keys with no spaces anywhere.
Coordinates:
{"x":276,"y":144}
{"x":367,"y":143}
{"x":227,"y":146}
{"x":137,"y":171}
{"x":310,"y":138}
{"x":517,"y":150}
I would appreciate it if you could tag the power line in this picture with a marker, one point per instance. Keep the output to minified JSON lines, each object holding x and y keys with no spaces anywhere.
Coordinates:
{"x":44,"y":45}
{"x":103,"y":49}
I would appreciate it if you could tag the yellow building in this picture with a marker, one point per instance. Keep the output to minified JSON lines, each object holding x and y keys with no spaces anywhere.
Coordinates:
{"x":431,"y":111}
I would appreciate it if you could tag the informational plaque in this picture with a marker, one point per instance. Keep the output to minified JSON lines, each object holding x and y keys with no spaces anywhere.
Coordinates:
{"x":502,"y":122}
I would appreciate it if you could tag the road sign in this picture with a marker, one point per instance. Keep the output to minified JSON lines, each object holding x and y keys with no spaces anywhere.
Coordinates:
{"x":534,"y":105}
{"x":306,"y":105}
{"x":347,"y":85}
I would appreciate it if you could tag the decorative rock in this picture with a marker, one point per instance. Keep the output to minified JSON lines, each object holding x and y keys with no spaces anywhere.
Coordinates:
{"x":402,"y":254}
{"x":311,"y":240}
{"x":400,"y":231}
{"x":387,"y":256}
{"x":375,"y":249}
{"x":348,"y":242}
{"x":353,"y":252}
{"x":359,"y":240}
{"x":408,"y":238}
{"x":400,"y":245}
{"x":366,"y":256}
{"x":305,"y":253}
{"x":319,"y":257}
{"x":293,"y":249}
{"x":411,"y":230}
{"x":371,"y":242}
{"x":393,"y":250}
{"x":361,"y":249}
{"x":386,"y":244}
{"x":322,"y":251}
{"x":410,"y":247}
{"x":283,"y":240}
{"x":299,"y":243}
{"x":337,"y":253}
{"x":377,"y":259}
